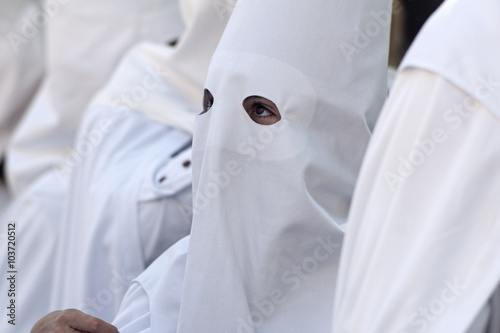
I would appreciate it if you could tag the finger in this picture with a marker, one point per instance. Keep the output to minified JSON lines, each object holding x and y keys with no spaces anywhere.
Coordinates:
{"x":85,"y":323}
{"x":47,"y":323}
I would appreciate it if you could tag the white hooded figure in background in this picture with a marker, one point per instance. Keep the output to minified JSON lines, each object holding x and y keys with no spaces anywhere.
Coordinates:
{"x":276,"y":152}
{"x":423,"y":241}
{"x":130,"y":197}
{"x":21,"y":67}
{"x":84,"y":40}
{"x":21,"y":62}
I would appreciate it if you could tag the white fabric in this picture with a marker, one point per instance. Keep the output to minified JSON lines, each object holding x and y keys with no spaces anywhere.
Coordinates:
{"x":189,"y":9}
{"x":84,"y":41}
{"x":35,"y":213}
{"x":79,"y":58}
{"x":105,"y":231}
{"x":269,"y":200}
{"x":422,"y":246}
{"x":173,"y":78}
{"x":21,"y":63}
{"x":125,"y":218}
{"x":119,"y":216}
{"x":160,"y":286}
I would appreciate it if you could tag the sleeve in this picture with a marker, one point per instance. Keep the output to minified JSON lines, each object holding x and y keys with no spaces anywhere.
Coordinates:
{"x":422,"y":244}
{"x":134,"y":314}
{"x":153,"y":300}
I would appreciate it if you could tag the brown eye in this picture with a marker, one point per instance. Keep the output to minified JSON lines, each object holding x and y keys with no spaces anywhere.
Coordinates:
{"x":208,"y":101}
{"x":261,"y":110}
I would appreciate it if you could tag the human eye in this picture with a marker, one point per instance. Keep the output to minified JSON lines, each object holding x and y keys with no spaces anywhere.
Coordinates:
{"x":261,"y":110}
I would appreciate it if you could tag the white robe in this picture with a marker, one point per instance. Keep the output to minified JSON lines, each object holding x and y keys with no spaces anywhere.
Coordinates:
{"x":21,"y":70}
{"x":84,"y":41}
{"x":50,"y":126}
{"x":21,"y":63}
{"x":159,"y":286}
{"x":35,"y":213}
{"x":422,"y":244}
{"x":129,"y":201}
{"x":385,"y":276}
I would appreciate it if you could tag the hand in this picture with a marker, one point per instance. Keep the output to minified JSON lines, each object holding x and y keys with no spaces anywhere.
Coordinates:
{"x":71,"y":321}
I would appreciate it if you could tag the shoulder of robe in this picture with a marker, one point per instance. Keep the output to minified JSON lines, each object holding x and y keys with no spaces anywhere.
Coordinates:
{"x":460,"y":43}
{"x":169,"y":178}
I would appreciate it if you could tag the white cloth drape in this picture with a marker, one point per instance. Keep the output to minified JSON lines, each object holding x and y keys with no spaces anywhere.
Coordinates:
{"x":422,"y":245}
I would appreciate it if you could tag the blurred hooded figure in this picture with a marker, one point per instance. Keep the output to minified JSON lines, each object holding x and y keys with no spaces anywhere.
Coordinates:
{"x":21,"y":68}
{"x":423,"y":242}
{"x":277,"y":148}
{"x":130,"y":198}
{"x":83,"y":42}
{"x":21,"y":64}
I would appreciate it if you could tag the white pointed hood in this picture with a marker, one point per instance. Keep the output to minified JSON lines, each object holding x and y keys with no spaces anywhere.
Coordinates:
{"x":171,"y":89}
{"x":269,"y":201}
